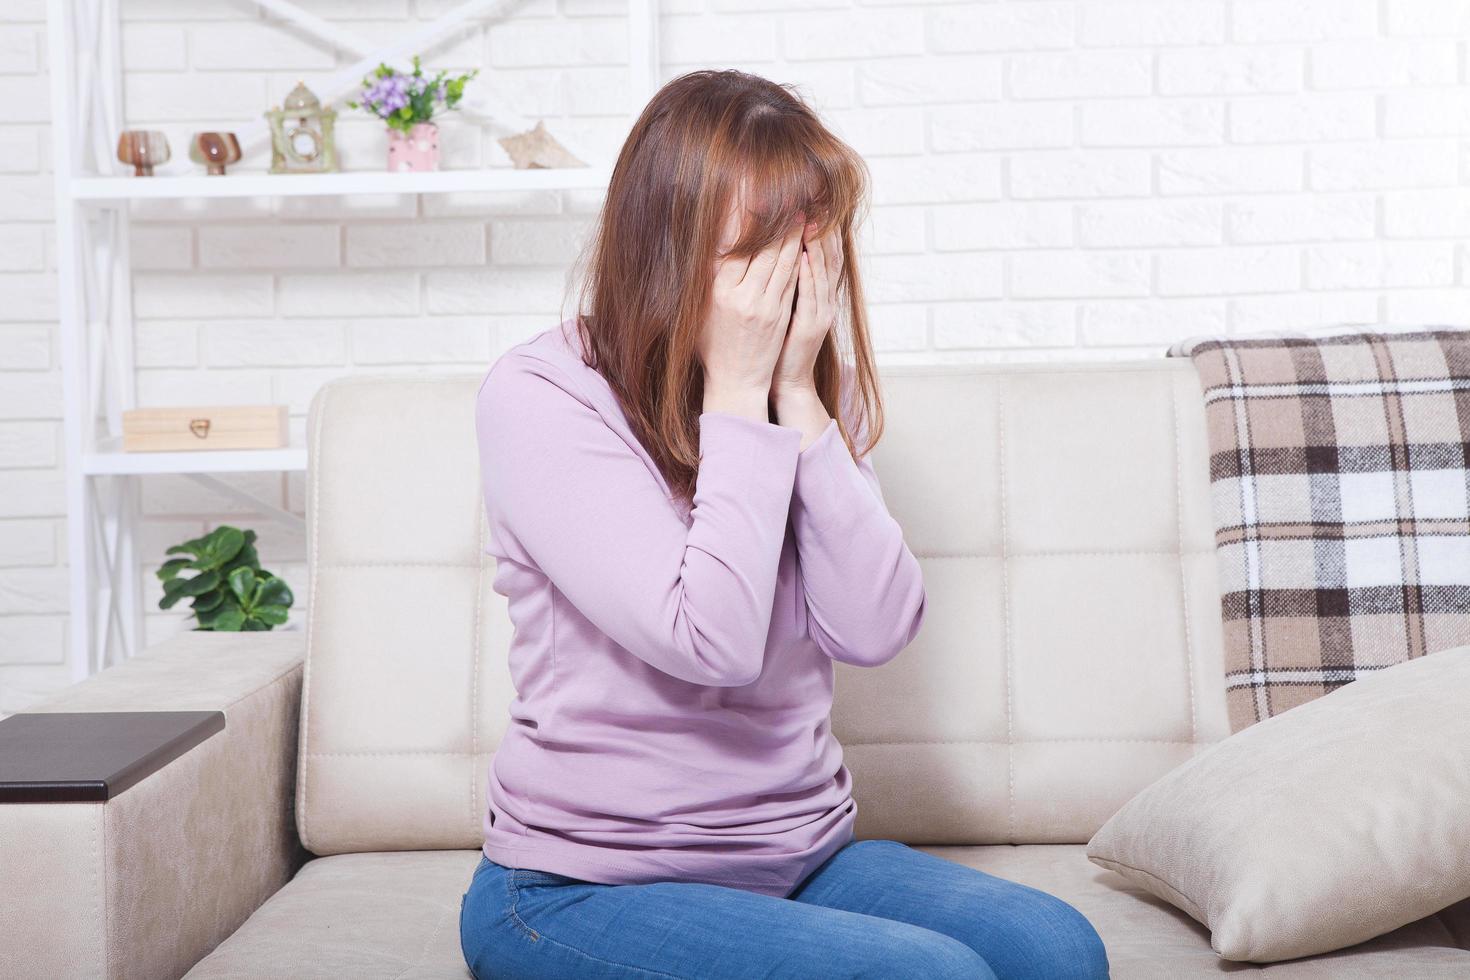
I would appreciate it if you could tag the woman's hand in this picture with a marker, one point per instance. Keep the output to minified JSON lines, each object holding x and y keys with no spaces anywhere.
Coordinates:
{"x":793,"y":384}
{"x":749,"y":312}
{"x":815,"y":314}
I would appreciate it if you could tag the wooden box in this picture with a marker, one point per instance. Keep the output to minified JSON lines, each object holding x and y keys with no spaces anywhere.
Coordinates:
{"x":184,"y":427}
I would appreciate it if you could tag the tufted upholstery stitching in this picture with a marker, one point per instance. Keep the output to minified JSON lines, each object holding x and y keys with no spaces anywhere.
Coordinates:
{"x":1183,"y":569}
{"x":1005,"y":588}
{"x":313,"y":571}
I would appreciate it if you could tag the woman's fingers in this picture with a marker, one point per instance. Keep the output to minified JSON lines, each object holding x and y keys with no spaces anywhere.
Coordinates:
{"x":783,"y":270}
{"x":786,"y":307}
{"x":833,"y":250}
{"x":768,"y":274}
{"x":730,"y":269}
{"x":761,"y":265}
{"x":817,"y":250}
{"x":806,"y":289}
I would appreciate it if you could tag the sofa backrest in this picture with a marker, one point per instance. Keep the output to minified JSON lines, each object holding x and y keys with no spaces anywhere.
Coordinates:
{"x":1070,"y":652}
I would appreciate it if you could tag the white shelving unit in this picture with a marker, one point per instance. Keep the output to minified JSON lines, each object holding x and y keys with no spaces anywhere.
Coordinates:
{"x":362,"y":182}
{"x":93,"y":198}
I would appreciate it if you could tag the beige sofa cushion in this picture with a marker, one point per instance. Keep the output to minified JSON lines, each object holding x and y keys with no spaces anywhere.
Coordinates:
{"x":1070,"y":656}
{"x":395,"y":916}
{"x":1337,"y":821}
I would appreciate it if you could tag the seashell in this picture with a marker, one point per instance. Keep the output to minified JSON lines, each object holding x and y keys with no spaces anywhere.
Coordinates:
{"x":537,"y":148}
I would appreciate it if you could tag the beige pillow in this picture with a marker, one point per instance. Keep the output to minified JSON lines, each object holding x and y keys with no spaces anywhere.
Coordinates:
{"x":1321,"y":827}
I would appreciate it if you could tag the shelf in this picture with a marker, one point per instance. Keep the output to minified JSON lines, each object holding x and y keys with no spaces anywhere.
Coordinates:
{"x":352,"y":182}
{"x":112,"y":462}
{"x":106,"y":589}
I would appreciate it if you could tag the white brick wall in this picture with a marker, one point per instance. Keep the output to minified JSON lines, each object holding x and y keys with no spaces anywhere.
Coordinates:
{"x":1052,"y":179}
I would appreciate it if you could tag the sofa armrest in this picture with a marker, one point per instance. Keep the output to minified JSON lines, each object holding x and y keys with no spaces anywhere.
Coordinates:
{"x":149,"y":881}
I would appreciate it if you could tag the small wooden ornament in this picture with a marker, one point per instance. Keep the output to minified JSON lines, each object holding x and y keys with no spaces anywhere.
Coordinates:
{"x":143,"y":148}
{"x":215,"y":150}
{"x":536,"y":148}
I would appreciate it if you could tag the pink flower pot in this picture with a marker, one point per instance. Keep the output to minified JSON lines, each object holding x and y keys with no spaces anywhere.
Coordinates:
{"x":416,"y":151}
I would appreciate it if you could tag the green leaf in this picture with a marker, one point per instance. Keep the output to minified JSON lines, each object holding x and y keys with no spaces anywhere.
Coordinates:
{"x":171,"y":568}
{"x":190,"y":547}
{"x":226,"y":544}
{"x":275,"y":592}
{"x":207,"y":601}
{"x":242,"y":583}
{"x":175,"y":586}
{"x":223,"y":602}
{"x":199,"y":584}
{"x":179,"y":588}
{"x":248,"y":561}
{"x":253,"y":624}
{"x":231,"y":619}
{"x":421,"y":106}
{"x":274,"y":615}
{"x":245,"y":557}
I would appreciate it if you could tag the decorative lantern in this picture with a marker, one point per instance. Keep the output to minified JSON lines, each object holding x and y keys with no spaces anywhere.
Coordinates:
{"x":301,"y":135}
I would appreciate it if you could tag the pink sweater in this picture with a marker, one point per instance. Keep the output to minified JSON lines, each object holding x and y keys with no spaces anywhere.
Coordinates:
{"x":673,"y":665}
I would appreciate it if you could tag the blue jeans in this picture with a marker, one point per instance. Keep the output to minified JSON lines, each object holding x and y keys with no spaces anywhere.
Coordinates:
{"x":876,"y":908}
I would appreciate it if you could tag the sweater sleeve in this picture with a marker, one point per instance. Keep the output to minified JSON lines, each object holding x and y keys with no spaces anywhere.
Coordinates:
{"x":864,"y":589}
{"x":693,"y":601}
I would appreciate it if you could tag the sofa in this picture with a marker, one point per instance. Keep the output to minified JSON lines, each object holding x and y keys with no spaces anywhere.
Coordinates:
{"x":1071,"y":655}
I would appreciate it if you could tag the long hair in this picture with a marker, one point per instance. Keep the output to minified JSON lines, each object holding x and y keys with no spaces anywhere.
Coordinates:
{"x":701,"y":139}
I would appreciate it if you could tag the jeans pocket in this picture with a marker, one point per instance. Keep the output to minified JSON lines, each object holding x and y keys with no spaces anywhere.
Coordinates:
{"x":531,"y":877}
{"x":513,"y":911}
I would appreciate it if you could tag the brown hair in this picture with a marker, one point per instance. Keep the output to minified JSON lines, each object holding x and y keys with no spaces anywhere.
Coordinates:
{"x":650,"y":262}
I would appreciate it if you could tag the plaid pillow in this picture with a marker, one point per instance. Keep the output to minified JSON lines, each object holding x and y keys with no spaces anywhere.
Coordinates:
{"x":1340,"y":477}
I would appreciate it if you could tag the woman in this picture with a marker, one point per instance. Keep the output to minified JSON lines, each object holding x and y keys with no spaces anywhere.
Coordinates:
{"x":688,"y":534}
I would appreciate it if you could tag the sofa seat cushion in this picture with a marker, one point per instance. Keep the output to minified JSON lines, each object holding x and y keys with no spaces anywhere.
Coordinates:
{"x":1147,"y":937}
{"x":392,"y":915}
{"x":395,"y":916}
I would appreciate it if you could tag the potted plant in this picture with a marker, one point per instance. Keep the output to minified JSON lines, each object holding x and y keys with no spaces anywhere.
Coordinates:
{"x":408,"y":102}
{"x":230,"y":590}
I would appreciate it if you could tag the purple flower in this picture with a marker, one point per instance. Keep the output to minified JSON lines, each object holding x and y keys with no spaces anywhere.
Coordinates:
{"x":386,"y":95}
{"x":402,"y":98}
